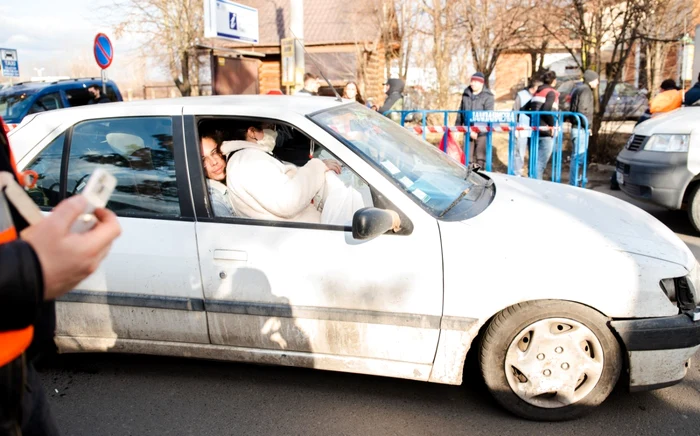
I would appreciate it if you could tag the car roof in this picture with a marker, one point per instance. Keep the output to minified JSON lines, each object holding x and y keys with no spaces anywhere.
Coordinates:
{"x":253,"y":105}
{"x":57,"y":84}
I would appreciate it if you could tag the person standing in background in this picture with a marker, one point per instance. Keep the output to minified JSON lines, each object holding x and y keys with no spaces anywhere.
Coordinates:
{"x":546,"y":99}
{"x":352,"y":92}
{"x":394,"y":99}
{"x":582,"y":101}
{"x":476,"y":97}
{"x":310,"y":85}
{"x":523,"y":136}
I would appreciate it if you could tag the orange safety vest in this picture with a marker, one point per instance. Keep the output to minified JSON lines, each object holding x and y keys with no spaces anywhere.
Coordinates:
{"x":12,"y":343}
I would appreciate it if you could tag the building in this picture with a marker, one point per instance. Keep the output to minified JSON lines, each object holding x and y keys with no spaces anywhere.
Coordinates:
{"x":343,"y":39}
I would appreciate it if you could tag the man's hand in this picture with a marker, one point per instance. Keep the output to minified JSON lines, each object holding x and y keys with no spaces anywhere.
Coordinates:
{"x":473,"y":135}
{"x":333,"y":165}
{"x":67,"y":258}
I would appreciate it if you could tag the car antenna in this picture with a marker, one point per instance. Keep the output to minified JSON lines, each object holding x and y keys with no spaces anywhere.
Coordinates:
{"x":337,"y":96}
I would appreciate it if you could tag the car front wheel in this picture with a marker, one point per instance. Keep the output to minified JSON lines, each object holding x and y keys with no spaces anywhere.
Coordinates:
{"x":549,"y":360}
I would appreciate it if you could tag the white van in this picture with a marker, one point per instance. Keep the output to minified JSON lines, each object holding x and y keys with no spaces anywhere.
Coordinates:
{"x":661,"y":162}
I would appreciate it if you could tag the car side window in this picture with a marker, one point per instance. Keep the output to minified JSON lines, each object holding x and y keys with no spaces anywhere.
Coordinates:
{"x":138,"y":152}
{"x":47,"y":165}
{"x":47,"y":102}
{"x":271,"y":187}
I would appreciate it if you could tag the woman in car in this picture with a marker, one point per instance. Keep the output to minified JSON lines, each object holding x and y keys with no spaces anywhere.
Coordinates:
{"x":263,"y":187}
{"x":215,"y":170}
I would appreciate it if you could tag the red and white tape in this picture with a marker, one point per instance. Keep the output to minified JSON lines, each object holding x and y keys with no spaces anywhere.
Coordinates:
{"x":476,"y":129}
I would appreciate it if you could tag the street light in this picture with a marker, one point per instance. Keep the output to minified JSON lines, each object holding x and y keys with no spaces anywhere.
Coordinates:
{"x":39,"y":71}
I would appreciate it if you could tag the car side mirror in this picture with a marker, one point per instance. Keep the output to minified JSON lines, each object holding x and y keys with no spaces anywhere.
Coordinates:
{"x":370,"y":222}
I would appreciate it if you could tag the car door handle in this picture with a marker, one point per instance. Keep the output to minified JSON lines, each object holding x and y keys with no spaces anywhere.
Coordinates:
{"x":235,"y":255}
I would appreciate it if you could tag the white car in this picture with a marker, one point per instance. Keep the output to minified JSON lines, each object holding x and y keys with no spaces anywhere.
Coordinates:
{"x":558,"y":290}
{"x":660,"y":163}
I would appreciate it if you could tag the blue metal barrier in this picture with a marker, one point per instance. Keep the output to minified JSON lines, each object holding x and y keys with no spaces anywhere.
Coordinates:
{"x":488,"y":122}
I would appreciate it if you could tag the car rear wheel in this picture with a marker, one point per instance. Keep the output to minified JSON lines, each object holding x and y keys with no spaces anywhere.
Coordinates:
{"x":549,"y":360}
{"x":694,"y":206}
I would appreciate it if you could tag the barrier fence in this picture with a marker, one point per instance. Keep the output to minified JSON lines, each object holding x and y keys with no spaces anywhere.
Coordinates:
{"x":521,"y":127}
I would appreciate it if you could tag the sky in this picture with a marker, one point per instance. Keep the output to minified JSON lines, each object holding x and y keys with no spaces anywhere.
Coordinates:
{"x":54,"y":35}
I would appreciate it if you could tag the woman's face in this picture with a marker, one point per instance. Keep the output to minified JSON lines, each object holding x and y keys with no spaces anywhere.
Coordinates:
{"x":351,"y":91}
{"x":213,"y":161}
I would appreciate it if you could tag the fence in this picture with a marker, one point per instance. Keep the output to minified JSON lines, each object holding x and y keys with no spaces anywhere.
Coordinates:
{"x":510,"y":122}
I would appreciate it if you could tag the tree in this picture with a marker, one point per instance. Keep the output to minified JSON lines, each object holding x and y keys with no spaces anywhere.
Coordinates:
{"x":662,"y":28}
{"x":492,"y":26}
{"x":600,"y":35}
{"x":439,"y":25}
{"x":171,"y":29}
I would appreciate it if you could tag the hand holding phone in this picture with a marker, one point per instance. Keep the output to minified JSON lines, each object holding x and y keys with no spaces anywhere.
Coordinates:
{"x":97,"y":191}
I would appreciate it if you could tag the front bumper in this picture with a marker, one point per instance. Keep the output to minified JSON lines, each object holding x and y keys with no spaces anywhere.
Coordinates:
{"x":656,"y":177}
{"x":659,"y":349}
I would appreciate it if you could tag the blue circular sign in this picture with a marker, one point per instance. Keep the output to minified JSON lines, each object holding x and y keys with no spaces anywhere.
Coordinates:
{"x":104,"y":53}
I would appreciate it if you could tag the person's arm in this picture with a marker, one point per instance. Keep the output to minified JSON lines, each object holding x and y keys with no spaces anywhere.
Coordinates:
{"x":21,"y":285}
{"x":49,"y":260}
{"x":489,"y":103}
{"x":585,"y":104}
{"x":460,"y":119}
{"x":517,"y":106}
{"x":547,"y":107}
{"x":279,"y":194}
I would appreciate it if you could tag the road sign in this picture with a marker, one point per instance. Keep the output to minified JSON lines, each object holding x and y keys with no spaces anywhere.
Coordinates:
{"x":288,"y":65}
{"x":228,"y":20}
{"x":8,"y":62}
{"x":103,"y":51}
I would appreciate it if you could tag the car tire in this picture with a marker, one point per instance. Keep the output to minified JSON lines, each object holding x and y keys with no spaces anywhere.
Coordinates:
{"x":694,"y":207}
{"x":566,"y":345}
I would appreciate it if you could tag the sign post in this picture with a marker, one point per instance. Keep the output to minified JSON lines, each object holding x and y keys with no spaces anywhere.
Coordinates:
{"x":9,"y":63}
{"x":288,"y":64}
{"x":104,"y":55}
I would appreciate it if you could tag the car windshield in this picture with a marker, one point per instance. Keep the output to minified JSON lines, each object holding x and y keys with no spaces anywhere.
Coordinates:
{"x":418,"y":167}
{"x":13,"y":106}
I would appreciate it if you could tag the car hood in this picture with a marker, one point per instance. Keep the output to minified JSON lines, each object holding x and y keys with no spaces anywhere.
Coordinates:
{"x":576,"y":220}
{"x":681,"y":121}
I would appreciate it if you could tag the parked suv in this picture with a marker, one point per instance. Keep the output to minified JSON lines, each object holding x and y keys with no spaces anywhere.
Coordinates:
{"x":18,"y":101}
{"x":661,"y":162}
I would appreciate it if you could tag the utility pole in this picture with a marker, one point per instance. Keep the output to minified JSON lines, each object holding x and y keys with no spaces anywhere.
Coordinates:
{"x":297,"y":27}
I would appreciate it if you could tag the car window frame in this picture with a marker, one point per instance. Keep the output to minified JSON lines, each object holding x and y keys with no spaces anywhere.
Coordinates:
{"x":181,"y":176}
{"x":203,"y":212}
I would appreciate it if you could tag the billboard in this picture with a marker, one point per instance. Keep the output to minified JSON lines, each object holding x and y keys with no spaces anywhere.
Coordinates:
{"x":231,"y":21}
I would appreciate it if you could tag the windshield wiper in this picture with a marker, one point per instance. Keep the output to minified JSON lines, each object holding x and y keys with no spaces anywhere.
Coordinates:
{"x":463,"y":194}
{"x":454,"y":203}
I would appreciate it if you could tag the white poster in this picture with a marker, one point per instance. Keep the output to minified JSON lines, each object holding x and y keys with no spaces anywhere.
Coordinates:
{"x":231,"y":21}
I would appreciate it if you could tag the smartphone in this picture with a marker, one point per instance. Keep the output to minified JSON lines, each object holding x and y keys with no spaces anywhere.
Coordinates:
{"x":97,"y":191}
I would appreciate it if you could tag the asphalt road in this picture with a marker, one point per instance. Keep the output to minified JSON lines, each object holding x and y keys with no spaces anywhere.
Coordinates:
{"x":141,"y":395}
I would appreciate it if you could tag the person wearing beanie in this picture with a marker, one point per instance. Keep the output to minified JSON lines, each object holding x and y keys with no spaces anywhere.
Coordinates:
{"x":583,"y":102}
{"x":475,"y":98}
{"x":670,"y":98}
{"x":546,"y":99}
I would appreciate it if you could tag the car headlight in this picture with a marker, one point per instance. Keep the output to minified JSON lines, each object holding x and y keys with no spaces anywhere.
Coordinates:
{"x":683,"y":290}
{"x":670,"y":143}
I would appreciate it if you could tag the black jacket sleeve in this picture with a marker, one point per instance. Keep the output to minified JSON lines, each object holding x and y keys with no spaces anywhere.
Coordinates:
{"x":585,"y":103}
{"x":547,"y":107}
{"x":21,"y":285}
{"x":489,"y":102}
{"x":460,"y":119}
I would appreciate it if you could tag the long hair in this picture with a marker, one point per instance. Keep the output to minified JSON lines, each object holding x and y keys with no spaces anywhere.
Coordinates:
{"x":358,"y":97}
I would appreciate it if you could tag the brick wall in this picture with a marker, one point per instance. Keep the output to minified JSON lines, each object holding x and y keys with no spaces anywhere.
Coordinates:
{"x":511,"y":69}
{"x":270,"y":74}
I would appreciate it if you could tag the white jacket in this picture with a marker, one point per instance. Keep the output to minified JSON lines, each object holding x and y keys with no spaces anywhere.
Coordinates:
{"x":262,"y":187}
